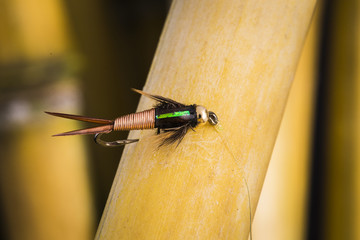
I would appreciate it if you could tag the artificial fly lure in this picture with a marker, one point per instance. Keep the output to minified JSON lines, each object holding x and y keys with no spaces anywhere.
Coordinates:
{"x":169,"y":117}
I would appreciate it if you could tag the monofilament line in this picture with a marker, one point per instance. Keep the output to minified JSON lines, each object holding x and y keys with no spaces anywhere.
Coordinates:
{"x":219,"y":129}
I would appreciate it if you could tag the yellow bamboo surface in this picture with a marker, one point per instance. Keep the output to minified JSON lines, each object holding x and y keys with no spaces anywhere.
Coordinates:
{"x":237,"y":58}
{"x":44,"y":184}
{"x":281,"y":212}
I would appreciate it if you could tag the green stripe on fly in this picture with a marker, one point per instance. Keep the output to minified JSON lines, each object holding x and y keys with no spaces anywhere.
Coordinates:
{"x":167,"y":116}
{"x":172,"y":114}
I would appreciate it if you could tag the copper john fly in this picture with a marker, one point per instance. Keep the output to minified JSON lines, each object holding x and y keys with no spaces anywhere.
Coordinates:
{"x":167,"y":116}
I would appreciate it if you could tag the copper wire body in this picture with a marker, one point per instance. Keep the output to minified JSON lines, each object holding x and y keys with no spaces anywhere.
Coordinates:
{"x":133,"y":121}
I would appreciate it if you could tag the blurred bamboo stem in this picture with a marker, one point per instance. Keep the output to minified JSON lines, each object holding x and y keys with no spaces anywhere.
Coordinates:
{"x":339,"y":109}
{"x":44,"y":185}
{"x":238,"y":59}
{"x":356,"y":139}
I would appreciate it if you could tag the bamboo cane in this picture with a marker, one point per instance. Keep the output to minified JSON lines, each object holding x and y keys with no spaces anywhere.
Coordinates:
{"x":238,"y":59}
{"x":338,"y":124}
{"x":44,"y":186}
{"x":356,"y":140}
{"x":281,"y":212}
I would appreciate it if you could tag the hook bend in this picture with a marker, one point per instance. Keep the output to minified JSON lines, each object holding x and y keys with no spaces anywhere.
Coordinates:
{"x":117,"y":143}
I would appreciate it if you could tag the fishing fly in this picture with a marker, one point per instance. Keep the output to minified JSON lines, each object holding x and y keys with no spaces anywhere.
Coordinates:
{"x":171,"y":119}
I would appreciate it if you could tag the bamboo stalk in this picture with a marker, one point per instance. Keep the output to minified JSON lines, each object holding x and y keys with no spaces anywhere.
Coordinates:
{"x":356,"y":218}
{"x":238,"y":59}
{"x":336,"y":145}
{"x":356,"y":140}
{"x":44,"y":184}
{"x":282,"y":207}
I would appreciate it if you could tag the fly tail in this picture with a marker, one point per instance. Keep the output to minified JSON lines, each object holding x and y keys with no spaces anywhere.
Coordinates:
{"x":106,"y":128}
{"x":80,"y":118}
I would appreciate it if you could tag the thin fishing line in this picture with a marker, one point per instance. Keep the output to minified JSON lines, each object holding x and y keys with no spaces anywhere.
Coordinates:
{"x":219,"y":128}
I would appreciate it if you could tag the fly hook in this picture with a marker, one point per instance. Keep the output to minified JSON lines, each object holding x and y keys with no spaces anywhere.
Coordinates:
{"x":116,"y":143}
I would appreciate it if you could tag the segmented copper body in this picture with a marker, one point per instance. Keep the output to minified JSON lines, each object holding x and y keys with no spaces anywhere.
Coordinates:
{"x":133,"y":121}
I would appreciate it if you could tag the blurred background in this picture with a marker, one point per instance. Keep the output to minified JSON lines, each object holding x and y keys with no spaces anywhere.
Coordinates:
{"x":83,"y":57}
{"x":77,"y":57}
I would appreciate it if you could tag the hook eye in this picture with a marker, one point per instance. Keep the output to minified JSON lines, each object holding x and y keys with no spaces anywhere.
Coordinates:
{"x":117,"y":143}
{"x":213,"y":119}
